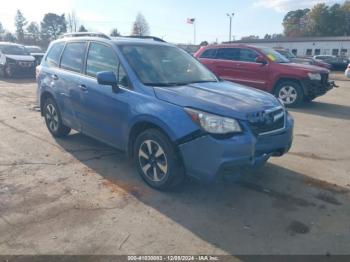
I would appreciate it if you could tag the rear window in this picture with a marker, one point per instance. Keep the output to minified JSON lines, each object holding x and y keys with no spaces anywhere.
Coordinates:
{"x":210,"y":54}
{"x":34,"y":49}
{"x":228,"y":54}
{"x":73,"y":56}
{"x":53,"y":57}
{"x":13,"y":50}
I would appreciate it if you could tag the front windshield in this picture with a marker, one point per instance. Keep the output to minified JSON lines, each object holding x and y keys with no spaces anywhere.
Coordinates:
{"x":274,"y":55}
{"x":13,"y":50}
{"x":286,"y":54}
{"x":165,"y":65}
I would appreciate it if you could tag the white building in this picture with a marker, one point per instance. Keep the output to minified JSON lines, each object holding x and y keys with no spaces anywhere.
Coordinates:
{"x":306,"y":46}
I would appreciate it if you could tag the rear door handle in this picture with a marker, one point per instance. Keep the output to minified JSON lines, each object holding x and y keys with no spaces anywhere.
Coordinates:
{"x":83,"y":88}
{"x":55,"y":77}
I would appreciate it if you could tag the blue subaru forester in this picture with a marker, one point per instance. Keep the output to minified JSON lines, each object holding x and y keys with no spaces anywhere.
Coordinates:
{"x":161,"y":106}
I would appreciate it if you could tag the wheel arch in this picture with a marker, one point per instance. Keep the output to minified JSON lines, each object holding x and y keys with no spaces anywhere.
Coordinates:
{"x":143,"y":124}
{"x":287,"y":79}
{"x":45,"y":95}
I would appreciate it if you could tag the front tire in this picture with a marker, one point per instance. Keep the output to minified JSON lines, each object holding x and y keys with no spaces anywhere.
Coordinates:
{"x":157,"y":160}
{"x":8,"y":72}
{"x":290,"y":93}
{"x":53,"y":119}
{"x":2,"y":72}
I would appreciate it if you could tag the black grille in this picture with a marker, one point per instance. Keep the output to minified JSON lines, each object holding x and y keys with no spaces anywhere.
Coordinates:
{"x":267,"y":122}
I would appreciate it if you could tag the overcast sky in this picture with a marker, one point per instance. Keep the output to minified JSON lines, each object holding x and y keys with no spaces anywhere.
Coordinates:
{"x":167,"y":18}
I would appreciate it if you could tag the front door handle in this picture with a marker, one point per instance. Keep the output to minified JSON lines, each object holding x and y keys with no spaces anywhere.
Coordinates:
{"x":55,"y":77}
{"x":83,"y":88}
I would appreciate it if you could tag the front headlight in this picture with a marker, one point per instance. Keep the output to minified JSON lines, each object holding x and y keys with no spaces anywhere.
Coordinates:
{"x":315,"y":76}
{"x":10,"y":61}
{"x":214,"y":124}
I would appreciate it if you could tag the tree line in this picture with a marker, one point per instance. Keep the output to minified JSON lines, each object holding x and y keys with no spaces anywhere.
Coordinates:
{"x":54,"y":25}
{"x":320,"y":20}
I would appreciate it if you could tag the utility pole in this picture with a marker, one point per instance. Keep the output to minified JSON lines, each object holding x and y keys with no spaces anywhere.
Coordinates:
{"x":230,"y":16}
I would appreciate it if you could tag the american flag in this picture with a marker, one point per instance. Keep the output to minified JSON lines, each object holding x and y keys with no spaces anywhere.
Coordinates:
{"x":191,"y":20}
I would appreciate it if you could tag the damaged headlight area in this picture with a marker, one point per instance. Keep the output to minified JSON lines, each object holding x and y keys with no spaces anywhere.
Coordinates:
{"x":11,"y":61}
{"x":214,"y":124}
{"x":314,"y":76}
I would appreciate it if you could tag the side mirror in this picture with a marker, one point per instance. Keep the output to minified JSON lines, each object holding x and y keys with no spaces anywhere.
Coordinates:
{"x":108,"y":78}
{"x":261,"y":60}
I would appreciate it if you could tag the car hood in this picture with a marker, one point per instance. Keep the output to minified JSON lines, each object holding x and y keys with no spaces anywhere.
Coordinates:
{"x":21,"y":57}
{"x":307,"y":68}
{"x":222,"y":98}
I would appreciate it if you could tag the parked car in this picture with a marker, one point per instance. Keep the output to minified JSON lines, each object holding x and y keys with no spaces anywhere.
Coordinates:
{"x":266,"y":69}
{"x":15,"y":60}
{"x":337,"y":62}
{"x":303,"y":60}
{"x":161,"y":106}
{"x":36,"y":52}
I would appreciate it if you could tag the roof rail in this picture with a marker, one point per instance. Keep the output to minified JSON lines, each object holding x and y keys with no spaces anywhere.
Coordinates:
{"x":147,"y":37}
{"x":88,"y":34}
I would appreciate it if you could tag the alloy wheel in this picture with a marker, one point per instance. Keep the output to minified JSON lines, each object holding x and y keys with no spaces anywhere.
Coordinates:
{"x":288,"y":94}
{"x":52,"y":117}
{"x":153,"y":161}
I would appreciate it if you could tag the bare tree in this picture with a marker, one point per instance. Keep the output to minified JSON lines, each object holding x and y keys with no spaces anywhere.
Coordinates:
{"x":2,"y":31}
{"x":115,"y":32}
{"x":82,"y":29}
{"x":140,"y":26}
{"x":72,"y":22}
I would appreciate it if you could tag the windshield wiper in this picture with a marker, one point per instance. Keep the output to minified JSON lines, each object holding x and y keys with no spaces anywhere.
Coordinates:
{"x":202,"y":81}
{"x":180,"y":84}
{"x":165,"y":84}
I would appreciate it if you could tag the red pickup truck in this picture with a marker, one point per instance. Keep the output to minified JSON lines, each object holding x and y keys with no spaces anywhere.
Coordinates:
{"x":266,"y":69}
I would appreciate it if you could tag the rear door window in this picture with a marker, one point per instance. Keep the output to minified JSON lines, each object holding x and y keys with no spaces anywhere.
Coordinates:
{"x":247,"y":55}
{"x":73,"y":56}
{"x":228,"y":54}
{"x":100,"y":58}
{"x":53,"y":57}
{"x":209,"y":54}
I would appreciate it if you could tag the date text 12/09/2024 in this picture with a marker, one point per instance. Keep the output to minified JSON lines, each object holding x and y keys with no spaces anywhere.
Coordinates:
{"x":173,"y":258}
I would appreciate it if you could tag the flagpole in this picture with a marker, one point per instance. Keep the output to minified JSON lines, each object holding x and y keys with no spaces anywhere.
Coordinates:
{"x":194,"y":33}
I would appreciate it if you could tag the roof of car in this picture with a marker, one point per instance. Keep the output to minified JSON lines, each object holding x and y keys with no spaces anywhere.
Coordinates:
{"x":116,"y":40}
{"x":232,"y":46}
{"x":10,"y":43}
{"x":32,"y":46}
{"x":135,"y":40}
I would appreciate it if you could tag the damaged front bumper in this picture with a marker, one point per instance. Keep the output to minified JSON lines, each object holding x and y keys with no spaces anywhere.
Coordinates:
{"x":206,"y":157}
{"x":313,"y":88}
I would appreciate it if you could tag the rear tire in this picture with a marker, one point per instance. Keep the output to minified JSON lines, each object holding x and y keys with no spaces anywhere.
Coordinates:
{"x":157,"y":160}
{"x":290,"y":93}
{"x":53,"y":119}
